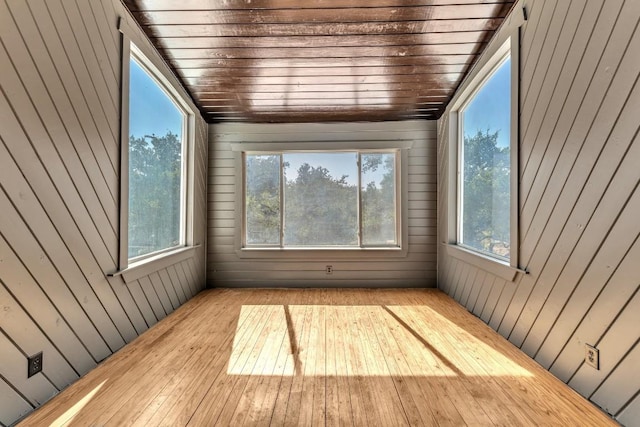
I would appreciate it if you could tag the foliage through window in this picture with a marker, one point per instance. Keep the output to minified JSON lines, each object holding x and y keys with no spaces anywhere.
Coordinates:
{"x":485,"y":173}
{"x":321,"y":199}
{"x":156,"y":178}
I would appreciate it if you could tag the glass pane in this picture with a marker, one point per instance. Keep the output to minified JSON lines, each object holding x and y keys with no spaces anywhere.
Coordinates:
{"x":378,"y":199}
{"x":321,"y":199}
{"x":263,"y":199}
{"x":486,"y":166}
{"x":155,"y":166}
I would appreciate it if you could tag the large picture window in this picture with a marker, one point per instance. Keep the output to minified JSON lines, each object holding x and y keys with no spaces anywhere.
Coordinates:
{"x":484,"y":156}
{"x":321,"y":199}
{"x":156,"y":153}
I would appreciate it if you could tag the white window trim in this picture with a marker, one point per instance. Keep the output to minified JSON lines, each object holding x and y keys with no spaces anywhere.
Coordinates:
{"x":135,"y":44}
{"x":346,"y":253}
{"x":479,"y":75}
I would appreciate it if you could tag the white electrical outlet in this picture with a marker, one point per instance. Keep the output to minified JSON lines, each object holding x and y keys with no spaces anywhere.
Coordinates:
{"x":592,"y":356}
{"x":329,"y":269}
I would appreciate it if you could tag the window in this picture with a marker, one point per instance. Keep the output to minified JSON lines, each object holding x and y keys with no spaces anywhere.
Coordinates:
{"x":482,"y":220}
{"x":156,"y":163}
{"x":485,"y":166}
{"x":321,"y":199}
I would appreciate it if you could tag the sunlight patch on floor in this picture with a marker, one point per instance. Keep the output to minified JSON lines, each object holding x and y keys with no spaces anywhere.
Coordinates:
{"x":290,"y":339}
{"x":70,"y":413}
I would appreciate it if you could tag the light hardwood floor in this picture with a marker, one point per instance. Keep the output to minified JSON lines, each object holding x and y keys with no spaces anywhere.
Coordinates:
{"x":319,"y":357}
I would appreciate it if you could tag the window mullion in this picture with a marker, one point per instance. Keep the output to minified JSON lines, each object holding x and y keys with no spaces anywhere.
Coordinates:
{"x":281,"y":201}
{"x":359,"y":193}
{"x":183,"y":188}
{"x":460,"y":178}
{"x":396,"y":199}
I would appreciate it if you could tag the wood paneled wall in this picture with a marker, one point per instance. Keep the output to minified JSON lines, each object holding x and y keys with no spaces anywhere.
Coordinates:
{"x":418,"y":268}
{"x":59,"y":202}
{"x":579,"y":202}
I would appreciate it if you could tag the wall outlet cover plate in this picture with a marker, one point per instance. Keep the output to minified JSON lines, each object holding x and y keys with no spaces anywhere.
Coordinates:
{"x":34,"y":364}
{"x":592,"y":356}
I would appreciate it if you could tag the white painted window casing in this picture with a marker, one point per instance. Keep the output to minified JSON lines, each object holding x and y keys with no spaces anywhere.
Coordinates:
{"x":132,"y":268}
{"x":400,"y":147}
{"x":482,"y":72}
{"x":271,"y":223}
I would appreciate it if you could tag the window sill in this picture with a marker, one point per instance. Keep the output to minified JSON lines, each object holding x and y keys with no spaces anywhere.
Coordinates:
{"x":486,"y":263}
{"x":321,"y":253}
{"x":152,"y":264}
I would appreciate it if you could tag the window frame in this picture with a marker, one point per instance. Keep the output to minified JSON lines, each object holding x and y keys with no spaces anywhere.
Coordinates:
{"x":345,"y":252}
{"x":137,"y":56}
{"x":478,"y":84}
{"x":360,"y":152}
{"x":136,"y":47}
{"x":491,"y":60}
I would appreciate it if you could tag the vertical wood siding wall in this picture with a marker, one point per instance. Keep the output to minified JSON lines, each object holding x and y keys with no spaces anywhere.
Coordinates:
{"x":579,"y":202}
{"x":59,"y":202}
{"x":226,"y":268}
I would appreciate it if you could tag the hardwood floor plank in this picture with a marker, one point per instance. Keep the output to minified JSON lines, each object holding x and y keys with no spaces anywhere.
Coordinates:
{"x":462,"y":409}
{"x":164,"y":399}
{"x":482,"y":398}
{"x":268,"y":387}
{"x":179,"y":396}
{"x":292,"y":365}
{"x":319,"y":413}
{"x":214,"y":401}
{"x":367,"y":409}
{"x":319,"y":357}
{"x":351,"y":383}
{"x":120,"y":363}
{"x":294,"y":404}
{"x":332,"y":391}
{"x":273,"y":335}
{"x":417,"y":413}
{"x":379,"y":374}
{"x":525,"y":395}
{"x":167,"y":360}
{"x":475,"y":365}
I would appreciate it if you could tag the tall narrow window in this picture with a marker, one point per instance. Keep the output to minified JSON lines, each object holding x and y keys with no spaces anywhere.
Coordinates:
{"x":321,"y":199}
{"x":262,"y":197}
{"x":156,"y":171}
{"x":484,"y":165}
{"x":378,"y":194}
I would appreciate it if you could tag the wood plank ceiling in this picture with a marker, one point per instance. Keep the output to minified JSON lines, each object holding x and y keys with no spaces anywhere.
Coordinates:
{"x":320,"y":60}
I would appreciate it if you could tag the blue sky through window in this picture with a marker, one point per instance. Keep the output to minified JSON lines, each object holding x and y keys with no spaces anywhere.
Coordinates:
{"x":151,"y":111}
{"x":338,"y":164}
{"x":490,"y":108}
